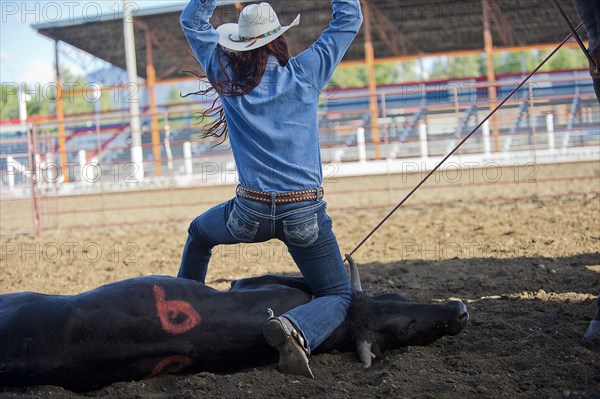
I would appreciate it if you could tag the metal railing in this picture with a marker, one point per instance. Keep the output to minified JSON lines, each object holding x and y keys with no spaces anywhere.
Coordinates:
{"x":554,"y":120}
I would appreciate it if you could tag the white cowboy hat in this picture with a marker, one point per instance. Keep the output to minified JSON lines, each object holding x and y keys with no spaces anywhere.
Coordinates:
{"x":257,"y":26}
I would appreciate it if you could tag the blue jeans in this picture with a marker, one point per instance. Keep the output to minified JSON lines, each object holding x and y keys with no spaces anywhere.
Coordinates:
{"x":306,"y":229}
{"x":589,"y":12}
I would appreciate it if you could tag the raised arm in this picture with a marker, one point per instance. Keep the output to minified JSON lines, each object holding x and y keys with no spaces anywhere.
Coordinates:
{"x":201,"y":36}
{"x":319,"y":61}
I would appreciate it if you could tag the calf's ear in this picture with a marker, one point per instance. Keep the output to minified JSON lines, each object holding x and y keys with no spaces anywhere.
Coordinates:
{"x":363,"y":348}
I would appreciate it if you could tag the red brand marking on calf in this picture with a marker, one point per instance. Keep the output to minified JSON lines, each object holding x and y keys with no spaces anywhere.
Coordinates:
{"x":171,"y":365}
{"x":176,"y":317}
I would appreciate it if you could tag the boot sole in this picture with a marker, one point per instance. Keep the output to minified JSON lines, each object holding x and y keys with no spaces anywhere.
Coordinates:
{"x":292,"y":359}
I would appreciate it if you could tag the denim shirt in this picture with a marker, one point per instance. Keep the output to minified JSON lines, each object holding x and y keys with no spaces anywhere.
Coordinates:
{"x":273,"y":129}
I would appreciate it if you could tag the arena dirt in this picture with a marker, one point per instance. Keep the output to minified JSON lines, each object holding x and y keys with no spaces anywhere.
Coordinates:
{"x":528,"y":270}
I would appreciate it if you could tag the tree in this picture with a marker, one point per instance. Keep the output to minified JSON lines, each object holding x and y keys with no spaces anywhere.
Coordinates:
{"x":458,"y":67}
{"x":353,"y":76}
{"x":439,"y":68}
{"x":565,"y":59}
{"x":9,"y":101}
{"x":75,"y":103}
{"x":37,"y":104}
{"x":385,"y":74}
{"x":517,"y":62}
{"x":405,"y":71}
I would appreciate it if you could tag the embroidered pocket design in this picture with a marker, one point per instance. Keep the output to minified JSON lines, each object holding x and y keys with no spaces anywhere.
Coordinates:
{"x":241,"y":228}
{"x":303,"y":232}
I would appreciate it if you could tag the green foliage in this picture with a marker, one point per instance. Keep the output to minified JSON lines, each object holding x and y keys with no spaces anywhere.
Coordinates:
{"x":566,"y":58}
{"x":396,"y":72}
{"x":9,"y":102}
{"x":174,"y":96}
{"x":43,"y":98}
{"x":525,"y":62}
{"x":506,"y":63}
{"x":39,"y":101}
{"x":354,"y":76}
{"x":458,"y":67}
{"x":76,"y":103}
{"x":385,"y":74}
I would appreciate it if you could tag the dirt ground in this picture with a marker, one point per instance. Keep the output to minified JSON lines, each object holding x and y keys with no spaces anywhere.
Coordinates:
{"x":529,"y":271}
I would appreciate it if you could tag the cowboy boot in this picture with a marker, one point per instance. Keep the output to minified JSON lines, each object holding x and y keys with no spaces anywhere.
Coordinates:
{"x":293,"y":356}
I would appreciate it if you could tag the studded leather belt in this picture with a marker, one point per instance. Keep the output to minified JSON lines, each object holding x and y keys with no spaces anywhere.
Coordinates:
{"x":314,"y":194}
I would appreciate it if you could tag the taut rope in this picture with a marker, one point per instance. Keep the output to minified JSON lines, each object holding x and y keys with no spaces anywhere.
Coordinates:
{"x":389,"y":215}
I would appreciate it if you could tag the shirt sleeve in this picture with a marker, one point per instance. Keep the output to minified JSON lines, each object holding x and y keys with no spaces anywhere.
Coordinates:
{"x":201,"y":35}
{"x":319,"y":61}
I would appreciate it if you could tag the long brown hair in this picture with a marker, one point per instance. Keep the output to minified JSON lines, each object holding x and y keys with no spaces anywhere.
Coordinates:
{"x":240,"y":72}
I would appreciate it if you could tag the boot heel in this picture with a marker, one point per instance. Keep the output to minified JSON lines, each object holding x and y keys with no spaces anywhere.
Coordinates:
{"x":275,"y":333}
{"x":293,"y":358}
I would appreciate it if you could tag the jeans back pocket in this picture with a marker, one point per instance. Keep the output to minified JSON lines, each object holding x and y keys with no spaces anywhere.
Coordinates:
{"x":301,"y":232}
{"x":241,"y":227}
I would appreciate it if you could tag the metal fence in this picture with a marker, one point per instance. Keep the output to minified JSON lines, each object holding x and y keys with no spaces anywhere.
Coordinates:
{"x":553,"y":120}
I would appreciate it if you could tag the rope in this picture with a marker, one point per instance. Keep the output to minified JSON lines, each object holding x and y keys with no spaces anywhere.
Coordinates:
{"x":463,"y":141}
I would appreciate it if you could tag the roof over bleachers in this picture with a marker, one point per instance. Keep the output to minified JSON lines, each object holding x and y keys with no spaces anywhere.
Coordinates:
{"x":400,"y":28}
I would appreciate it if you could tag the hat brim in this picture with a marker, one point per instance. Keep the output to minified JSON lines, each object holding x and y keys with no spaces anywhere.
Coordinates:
{"x":227,"y":30}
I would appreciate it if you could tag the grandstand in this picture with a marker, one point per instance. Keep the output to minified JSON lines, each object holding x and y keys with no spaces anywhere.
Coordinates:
{"x":567,"y":95}
{"x":371,"y":123}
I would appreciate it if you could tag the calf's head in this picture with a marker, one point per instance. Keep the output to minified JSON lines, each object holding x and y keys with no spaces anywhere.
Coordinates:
{"x":392,"y":321}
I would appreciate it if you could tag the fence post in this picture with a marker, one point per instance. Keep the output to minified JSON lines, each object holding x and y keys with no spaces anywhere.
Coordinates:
{"x":38,"y":167}
{"x":97,"y":171}
{"x":360,"y":143}
{"x":550,"y":130}
{"x":33,"y":159}
{"x":10,"y":162}
{"x":82,"y":161}
{"x":51,"y":174}
{"x":187,"y":156}
{"x":487,"y":143}
{"x":168,"y":145}
{"x":423,"y":139}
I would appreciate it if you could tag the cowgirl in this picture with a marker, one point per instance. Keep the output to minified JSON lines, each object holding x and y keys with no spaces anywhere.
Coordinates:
{"x":269,"y":112}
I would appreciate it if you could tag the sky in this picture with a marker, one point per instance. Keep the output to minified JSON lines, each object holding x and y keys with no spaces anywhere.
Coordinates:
{"x":25,"y":55}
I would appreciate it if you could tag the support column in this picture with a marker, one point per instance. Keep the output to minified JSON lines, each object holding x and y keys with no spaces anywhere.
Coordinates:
{"x":137,"y":155}
{"x":491,"y":74}
{"x":360,"y":145}
{"x":550,"y":130}
{"x":487,"y":145}
{"x":187,"y":158}
{"x":423,"y":140}
{"x":23,"y":98}
{"x":151,"y":83}
{"x":370,"y":62}
{"x":60,"y":115}
{"x":11,"y":171}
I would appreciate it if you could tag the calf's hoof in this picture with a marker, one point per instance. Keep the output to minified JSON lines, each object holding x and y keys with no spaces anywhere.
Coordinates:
{"x":281,"y":335}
